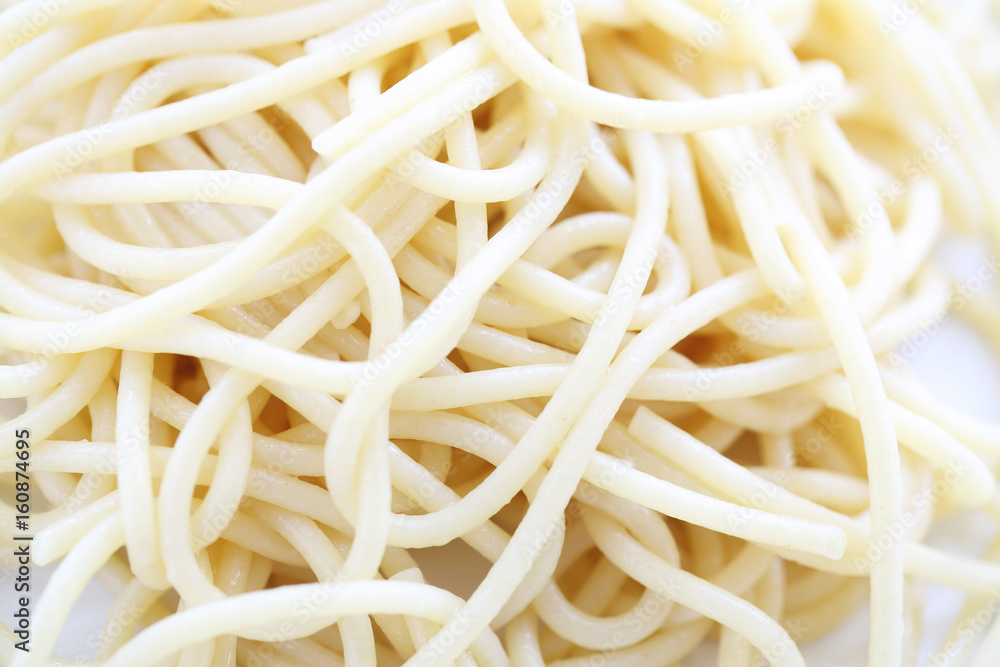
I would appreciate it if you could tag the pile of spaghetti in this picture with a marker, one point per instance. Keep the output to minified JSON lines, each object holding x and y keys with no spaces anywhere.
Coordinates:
{"x":611,"y":291}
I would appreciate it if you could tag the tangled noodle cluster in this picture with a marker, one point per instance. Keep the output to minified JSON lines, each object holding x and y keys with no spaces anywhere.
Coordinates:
{"x":612,"y":291}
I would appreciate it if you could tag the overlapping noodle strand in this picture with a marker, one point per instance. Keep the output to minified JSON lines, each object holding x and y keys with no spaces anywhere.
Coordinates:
{"x":604,"y":309}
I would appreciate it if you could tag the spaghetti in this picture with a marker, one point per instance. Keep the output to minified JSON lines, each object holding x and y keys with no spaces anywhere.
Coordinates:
{"x":608,"y":291}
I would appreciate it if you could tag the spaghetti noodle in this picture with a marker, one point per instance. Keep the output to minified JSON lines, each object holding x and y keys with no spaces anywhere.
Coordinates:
{"x":608,"y":291}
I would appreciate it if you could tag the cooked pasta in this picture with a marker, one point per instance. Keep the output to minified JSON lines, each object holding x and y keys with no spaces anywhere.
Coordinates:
{"x":617,"y":293}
